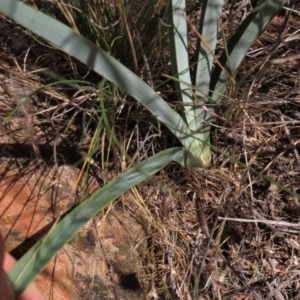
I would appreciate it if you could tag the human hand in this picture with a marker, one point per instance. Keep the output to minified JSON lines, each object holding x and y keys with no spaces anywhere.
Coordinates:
{"x":6,"y":289}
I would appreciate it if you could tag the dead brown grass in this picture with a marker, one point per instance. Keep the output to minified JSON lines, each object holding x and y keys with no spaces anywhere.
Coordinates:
{"x":261,"y":130}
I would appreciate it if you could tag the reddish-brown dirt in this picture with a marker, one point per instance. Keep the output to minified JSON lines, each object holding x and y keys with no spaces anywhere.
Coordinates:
{"x":100,"y":263}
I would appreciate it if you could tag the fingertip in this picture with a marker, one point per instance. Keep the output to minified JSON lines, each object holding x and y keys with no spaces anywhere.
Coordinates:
{"x":32,"y":293}
{"x":9,"y":262}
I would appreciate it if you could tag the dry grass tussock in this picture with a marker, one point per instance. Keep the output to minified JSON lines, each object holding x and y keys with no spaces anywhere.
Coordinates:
{"x":257,"y":125}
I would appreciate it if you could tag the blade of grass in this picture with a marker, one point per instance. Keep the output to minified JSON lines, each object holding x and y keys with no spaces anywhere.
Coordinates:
{"x":128,"y":33}
{"x":68,"y":15}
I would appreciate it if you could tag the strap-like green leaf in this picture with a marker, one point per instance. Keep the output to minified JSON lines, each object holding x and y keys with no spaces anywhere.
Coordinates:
{"x":209,"y":25}
{"x":199,"y":146}
{"x":84,"y":50}
{"x":241,"y":41}
{"x":178,"y":35}
{"x":34,"y":261}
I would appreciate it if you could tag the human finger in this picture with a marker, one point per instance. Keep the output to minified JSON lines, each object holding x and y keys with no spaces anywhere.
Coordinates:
{"x":31,"y":292}
{"x":6,"y":291}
